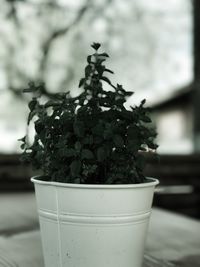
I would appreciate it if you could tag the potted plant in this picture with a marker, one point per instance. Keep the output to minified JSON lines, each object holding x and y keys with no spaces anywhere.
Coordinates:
{"x":93,"y":200}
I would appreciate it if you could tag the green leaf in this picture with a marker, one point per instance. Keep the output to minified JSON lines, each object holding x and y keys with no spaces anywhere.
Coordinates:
{"x":69,"y":152}
{"x":96,"y":46}
{"x":88,"y":70}
{"x":108,"y":134}
{"x":82,"y":81}
{"x":140,"y":162}
{"x":23,"y":146}
{"x":106,"y":79}
{"x":79,"y":128}
{"x":143,"y":102}
{"x":32,"y":104}
{"x":75,"y":168}
{"x":103,"y":55}
{"x":145,"y":118}
{"x":128,"y":93}
{"x":98,"y":129}
{"x":118,"y":140}
{"x":39,"y":126}
{"x":88,"y":140}
{"x":101,"y":154}
{"x":98,"y":140}
{"x":78,"y":146}
{"x":87,"y":154}
{"x":52,"y":103}
{"x":108,"y":70}
{"x":133,"y":133}
{"x":89,"y":58}
{"x":23,"y":139}
{"x":151,"y":144}
{"x":30,"y":116}
{"x":133,"y":145}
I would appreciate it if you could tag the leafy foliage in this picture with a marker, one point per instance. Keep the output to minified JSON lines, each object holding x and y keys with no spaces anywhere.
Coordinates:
{"x":91,"y":138}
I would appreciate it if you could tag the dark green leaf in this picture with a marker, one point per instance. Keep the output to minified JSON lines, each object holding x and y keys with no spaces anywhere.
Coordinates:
{"x":108,"y":134}
{"x":128,"y":93}
{"x":118,"y":140}
{"x":39,"y":126}
{"x":101,"y":154}
{"x":69,"y":152}
{"x":106,"y":79}
{"x":75,"y":168}
{"x":23,"y":139}
{"x":82,"y":81}
{"x":88,"y":140}
{"x":89,"y":59}
{"x":88,"y":70}
{"x":23,"y":146}
{"x":79,"y":128}
{"x":78,"y":146}
{"x":87,"y":154}
{"x":146,"y":119}
{"x":32,"y":104}
{"x":96,"y":46}
{"x":30,"y":116}
{"x":98,"y":129}
{"x":104,"y":55}
{"x":52,"y":103}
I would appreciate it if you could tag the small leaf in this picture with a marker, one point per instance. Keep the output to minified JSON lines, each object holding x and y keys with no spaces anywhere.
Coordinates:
{"x":32,"y":104}
{"x":140,"y":162}
{"x":101,"y":154}
{"x":88,"y":140}
{"x":106,"y":79}
{"x":39,"y":126}
{"x":52,"y":103}
{"x":96,"y":46}
{"x":23,"y":139}
{"x":78,"y":146}
{"x":89,"y":59}
{"x":110,"y":71}
{"x":128,"y":93}
{"x":82,"y":81}
{"x":79,"y":128}
{"x":75,"y":168}
{"x":87,"y":154}
{"x":30,"y":116}
{"x":98,"y":129}
{"x":23,"y":146}
{"x":69,"y":152}
{"x":98,"y":140}
{"x":88,"y":70}
{"x":146,"y":119}
{"x":118,"y":140}
{"x":103,"y":55}
{"x":108,"y":134}
{"x":133,"y":145}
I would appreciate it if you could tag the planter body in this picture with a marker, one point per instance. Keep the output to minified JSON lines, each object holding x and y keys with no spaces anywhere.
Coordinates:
{"x":93,"y":225}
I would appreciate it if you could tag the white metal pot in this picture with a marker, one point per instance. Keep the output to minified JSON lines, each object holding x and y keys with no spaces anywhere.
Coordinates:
{"x":93,"y":225}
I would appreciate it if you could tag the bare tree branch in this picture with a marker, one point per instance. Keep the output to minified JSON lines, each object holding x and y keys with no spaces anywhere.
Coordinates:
{"x":48,"y":43}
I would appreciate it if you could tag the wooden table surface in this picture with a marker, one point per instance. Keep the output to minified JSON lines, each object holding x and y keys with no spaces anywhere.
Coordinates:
{"x":173,"y":240}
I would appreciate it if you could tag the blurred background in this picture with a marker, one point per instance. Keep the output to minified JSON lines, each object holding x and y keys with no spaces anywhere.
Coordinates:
{"x":154,"y":50}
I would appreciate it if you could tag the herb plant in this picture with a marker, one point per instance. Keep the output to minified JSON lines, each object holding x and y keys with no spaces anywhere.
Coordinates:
{"x":91,"y":138}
